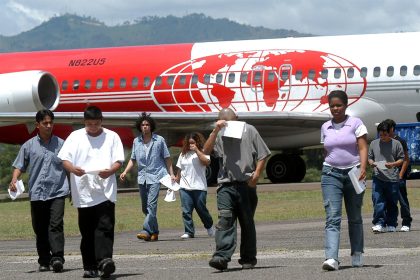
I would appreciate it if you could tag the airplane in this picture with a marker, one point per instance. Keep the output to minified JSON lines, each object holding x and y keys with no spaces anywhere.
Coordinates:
{"x":280,"y":86}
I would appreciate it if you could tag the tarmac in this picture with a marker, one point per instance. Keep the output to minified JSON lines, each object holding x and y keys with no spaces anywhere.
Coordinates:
{"x":286,"y":250}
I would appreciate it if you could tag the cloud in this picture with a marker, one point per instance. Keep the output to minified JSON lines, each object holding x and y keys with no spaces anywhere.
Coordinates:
{"x":323,"y":17}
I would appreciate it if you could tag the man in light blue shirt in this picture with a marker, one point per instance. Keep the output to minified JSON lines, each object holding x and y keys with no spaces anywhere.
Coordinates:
{"x":48,"y":187}
{"x":153,"y":162}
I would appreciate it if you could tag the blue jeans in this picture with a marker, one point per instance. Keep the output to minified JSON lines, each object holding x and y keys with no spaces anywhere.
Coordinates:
{"x":149,"y":194}
{"x":190,"y":200}
{"x":404,"y":204}
{"x":385,"y":198}
{"x":336,"y":185}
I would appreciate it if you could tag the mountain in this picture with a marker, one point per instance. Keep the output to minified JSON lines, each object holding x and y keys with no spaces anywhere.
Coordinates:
{"x":73,"y":31}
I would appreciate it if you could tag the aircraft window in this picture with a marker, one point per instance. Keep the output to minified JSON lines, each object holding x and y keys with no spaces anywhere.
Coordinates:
{"x":182,"y":80}
{"x":207,"y":79}
{"x":257,"y":76}
{"x":123,"y":83}
{"x":219,"y":78}
{"x":64,"y":85}
{"x":324,"y":73}
{"x":194,"y":79}
{"x":244,"y":77}
{"x":311,"y":74}
{"x":111,"y":83}
{"x":231,"y":77}
{"x":99,"y":83}
{"x":76,"y":84}
{"x":350,"y":72}
{"x":271,"y":76}
{"x":363,"y":72}
{"x":134,"y":82}
{"x":337,"y":73}
{"x":170,"y":80}
{"x":403,"y":70}
{"x":284,"y":75}
{"x":390,"y":71}
{"x":298,"y":75}
{"x":376,"y":71}
{"x":158,"y":81}
{"x":146,"y":82}
{"x":416,"y":70}
{"x":87,"y":84}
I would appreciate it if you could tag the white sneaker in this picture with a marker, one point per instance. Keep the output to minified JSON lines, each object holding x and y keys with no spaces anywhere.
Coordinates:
{"x":211,"y":231}
{"x":185,"y":236}
{"x":357,"y":259}
{"x":405,"y":228}
{"x":378,"y":229}
{"x":391,"y":229}
{"x":330,"y":265}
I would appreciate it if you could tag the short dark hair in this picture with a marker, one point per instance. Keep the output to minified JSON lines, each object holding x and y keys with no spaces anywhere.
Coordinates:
{"x":340,"y":94}
{"x":41,"y":114}
{"x":92,"y":113}
{"x":391,"y":123}
{"x":148,"y":118}
{"x":384,"y":126}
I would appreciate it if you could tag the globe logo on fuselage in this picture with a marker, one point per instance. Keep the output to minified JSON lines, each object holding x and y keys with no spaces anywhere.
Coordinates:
{"x":266,"y":80}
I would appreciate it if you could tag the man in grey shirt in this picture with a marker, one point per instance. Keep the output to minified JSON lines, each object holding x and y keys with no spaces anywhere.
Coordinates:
{"x":385,"y":156}
{"x":241,"y":162}
{"x":48,"y":187}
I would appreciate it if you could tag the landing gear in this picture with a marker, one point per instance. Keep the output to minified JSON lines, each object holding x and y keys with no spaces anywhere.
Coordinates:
{"x":282,"y":168}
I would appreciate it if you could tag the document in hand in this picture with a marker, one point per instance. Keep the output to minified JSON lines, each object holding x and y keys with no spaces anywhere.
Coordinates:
{"x":167,"y":182}
{"x":233,"y":129}
{"x":20,"y":188}
{"x":359,"y":186}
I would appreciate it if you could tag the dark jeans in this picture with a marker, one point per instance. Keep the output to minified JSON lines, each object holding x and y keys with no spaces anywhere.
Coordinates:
{"x":404,"y":204}
{"x":385,"y":198}
{"x":190,"y":200}
{"x":236,"y":201}
{"x":47,"y":222}
{"x":96,"y":224}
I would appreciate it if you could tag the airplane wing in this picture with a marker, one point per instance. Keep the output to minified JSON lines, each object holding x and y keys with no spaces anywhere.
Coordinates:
{"x":267,"y":123}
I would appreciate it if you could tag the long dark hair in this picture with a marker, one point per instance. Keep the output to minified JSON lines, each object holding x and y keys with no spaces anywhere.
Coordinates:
{"x":198,"y":138}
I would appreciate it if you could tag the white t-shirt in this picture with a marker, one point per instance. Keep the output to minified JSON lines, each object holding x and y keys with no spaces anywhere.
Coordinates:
{"x":193,"y":172}
{"x":91,"y":154}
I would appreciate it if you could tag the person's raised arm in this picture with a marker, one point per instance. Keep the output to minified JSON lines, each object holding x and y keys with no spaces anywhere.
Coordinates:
{"x":209,"y":145}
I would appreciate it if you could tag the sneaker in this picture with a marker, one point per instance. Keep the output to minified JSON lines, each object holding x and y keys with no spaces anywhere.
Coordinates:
{"x":90,"y":274}
{"x":186,"y":236}
{"x":211,"y":231}
{"x":154,"y":237}
{"x":106,"y":268}
{"x":57,"y":266}
{"x":378,"y":229}
{"x":405,"y":229}
{"x":391,"y":229}
{"x":357,"y":259}
{"x":143,"y":235}
{"x":248,"y":266}
{"x":218,"y":263}
{"x":330,"y":265}
{"x":44,"y":267}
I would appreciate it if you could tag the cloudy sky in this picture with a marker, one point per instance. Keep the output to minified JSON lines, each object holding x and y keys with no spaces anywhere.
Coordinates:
{"x":323,"y":17}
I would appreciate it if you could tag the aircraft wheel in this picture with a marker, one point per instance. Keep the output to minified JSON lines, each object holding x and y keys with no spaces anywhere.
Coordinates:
{"x":285,"y":168}
{"x":211,"y":171}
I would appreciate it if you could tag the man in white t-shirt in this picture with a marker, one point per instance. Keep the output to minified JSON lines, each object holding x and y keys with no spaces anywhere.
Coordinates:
{"x":92,"y":155}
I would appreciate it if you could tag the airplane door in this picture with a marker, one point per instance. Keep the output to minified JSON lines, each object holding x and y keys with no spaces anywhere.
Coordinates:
{"x":285,"y":74}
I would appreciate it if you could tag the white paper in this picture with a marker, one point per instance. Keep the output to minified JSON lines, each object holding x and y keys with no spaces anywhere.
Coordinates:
{"x":381,"y":164}
{"x":20,"y":188}
{"x":359,"y":186}
{"x":167,"y":182}
{"x":170,"y":196}
{"x":92,"y":172}
{"x":233,"y":129}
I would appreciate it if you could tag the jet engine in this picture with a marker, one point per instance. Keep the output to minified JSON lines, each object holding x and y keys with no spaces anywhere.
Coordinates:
{"x":28,"y":91}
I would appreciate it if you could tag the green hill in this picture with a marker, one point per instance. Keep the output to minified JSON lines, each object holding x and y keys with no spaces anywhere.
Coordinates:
{"x":72,"y":31}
